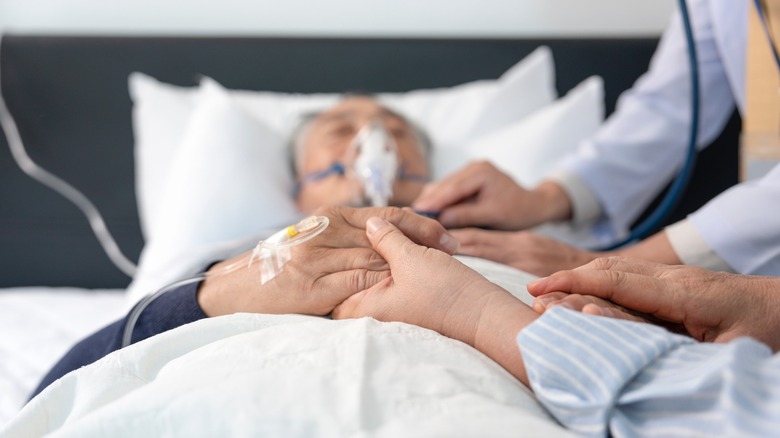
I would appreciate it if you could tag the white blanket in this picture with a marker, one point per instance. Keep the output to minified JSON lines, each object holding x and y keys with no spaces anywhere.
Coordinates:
{"x":37,"y":326}
{"x":289,"y":376}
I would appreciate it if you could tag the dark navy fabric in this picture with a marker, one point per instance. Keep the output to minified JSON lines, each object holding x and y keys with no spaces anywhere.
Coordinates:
{"x":168,"y":311}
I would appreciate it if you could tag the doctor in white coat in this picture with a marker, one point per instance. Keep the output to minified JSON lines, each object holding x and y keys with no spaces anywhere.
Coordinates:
{"x":616,"y":174}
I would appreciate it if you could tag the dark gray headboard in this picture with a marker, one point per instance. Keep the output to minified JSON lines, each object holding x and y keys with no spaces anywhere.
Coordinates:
{"x":69,"y":96}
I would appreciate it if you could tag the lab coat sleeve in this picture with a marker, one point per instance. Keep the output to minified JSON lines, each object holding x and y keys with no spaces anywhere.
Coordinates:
{"x":692,"y":249}
{"x":585,"y":207}
{"x":643,"y":144}
{"x":742,"y":225}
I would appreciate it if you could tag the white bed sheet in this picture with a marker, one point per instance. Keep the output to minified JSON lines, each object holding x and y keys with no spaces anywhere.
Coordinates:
{"x":37,"y":326}
{"x":467,"y":395}
{"x":293,"y":375}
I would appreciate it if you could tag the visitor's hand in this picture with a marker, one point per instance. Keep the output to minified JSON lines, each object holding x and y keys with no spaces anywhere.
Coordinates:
{"x":481,"y":195}
{"x":523,"y":250}
{"x":322,"y":272}
{"x":711,"y":306}
{"x":428,"y":287}
{"x":431,"y":289}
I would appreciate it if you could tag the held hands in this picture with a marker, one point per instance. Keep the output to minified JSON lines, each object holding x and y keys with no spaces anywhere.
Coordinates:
{"x":711,"y":306}
{"x":428,"y":287}
{"x":481,"y":195}
{"x":431,"y":289}
{"x":323,"y":271}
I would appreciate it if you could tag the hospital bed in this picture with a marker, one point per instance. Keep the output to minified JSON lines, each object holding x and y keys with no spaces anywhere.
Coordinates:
{"x":70,"y":98}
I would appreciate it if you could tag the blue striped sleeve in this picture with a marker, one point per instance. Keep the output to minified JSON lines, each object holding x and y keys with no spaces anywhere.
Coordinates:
{"x":601,"y":376}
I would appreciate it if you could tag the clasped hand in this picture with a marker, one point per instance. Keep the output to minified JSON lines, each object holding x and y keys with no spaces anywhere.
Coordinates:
{"x":481,"y":195}
{"x":323,"y":271}
{"x":709,"y":306}
{"x":387,"y":263}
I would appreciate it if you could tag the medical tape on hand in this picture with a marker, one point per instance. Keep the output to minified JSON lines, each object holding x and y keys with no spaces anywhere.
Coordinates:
{"x":273,"y":253}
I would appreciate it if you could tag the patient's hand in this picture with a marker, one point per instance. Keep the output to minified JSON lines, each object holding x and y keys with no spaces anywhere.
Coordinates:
{"x":481,"y":195}
{"x":593,"y":305}
{"x":323,"y":271}
{"x":523,"y":250}
{"x":434,"y":290}
{"x":589,"y":304}
{"x":712,"y":306}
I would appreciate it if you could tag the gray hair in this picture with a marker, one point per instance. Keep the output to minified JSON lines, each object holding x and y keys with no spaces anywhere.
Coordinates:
{"x":301,"y":130}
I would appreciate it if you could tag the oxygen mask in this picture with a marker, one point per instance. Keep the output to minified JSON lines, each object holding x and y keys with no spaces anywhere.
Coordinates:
{"x":368,"y":166}
{"x":374,"y":164}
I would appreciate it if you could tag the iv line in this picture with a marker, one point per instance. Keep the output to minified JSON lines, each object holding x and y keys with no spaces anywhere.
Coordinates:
{"x":272,"y":254}
{"x":57,"y":184}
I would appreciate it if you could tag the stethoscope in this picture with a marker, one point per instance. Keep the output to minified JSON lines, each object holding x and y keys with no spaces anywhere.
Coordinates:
{"x":767,"y":30}
{"x":676,"y":189}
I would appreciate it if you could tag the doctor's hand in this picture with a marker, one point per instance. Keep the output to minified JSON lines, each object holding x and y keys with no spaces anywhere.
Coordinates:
{"x":481,"y":195}
{"x":711,"y":306}
{"x":523,"y":250}
{"x":322,"y":272}
{"x":431,"y":289}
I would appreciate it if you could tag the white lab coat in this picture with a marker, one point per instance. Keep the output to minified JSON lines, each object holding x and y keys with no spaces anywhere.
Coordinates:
{"x":642,"y":145}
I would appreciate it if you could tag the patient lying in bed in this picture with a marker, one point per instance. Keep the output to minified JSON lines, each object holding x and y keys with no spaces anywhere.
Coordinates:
{"x":252,"y":374}
{"x":328,"y":151}
{"x":323,"y":151}
{"x":322,"y":273}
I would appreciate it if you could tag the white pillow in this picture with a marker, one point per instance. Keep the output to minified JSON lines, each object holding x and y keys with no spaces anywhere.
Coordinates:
{"x":197,"y":193}
{"x":530,"y":148}
{"x":452,"y":116}
{"x":228,"y":180}
{"x":160,"y":115}
{"x":449,"y":115}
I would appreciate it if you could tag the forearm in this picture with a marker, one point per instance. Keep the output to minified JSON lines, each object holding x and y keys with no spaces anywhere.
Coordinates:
{"x":503,"y":318}
{"x":656,"y":248}
{"x":551,"y":202}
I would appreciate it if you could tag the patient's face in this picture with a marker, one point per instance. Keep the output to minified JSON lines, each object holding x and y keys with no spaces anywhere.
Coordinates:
{"x":328,"y":139}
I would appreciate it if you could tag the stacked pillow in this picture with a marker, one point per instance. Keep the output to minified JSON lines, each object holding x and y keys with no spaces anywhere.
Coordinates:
{"x":211,"y":163}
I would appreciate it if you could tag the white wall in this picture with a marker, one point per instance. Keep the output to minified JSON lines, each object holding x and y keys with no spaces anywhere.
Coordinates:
{"x":473,"y":18}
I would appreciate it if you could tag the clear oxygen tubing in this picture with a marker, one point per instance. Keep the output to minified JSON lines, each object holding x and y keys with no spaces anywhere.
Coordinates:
{"x":339,"y":168}
{"x":270,"y":254}
{"x":675,"y":192}
{"x":55,"y":183}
